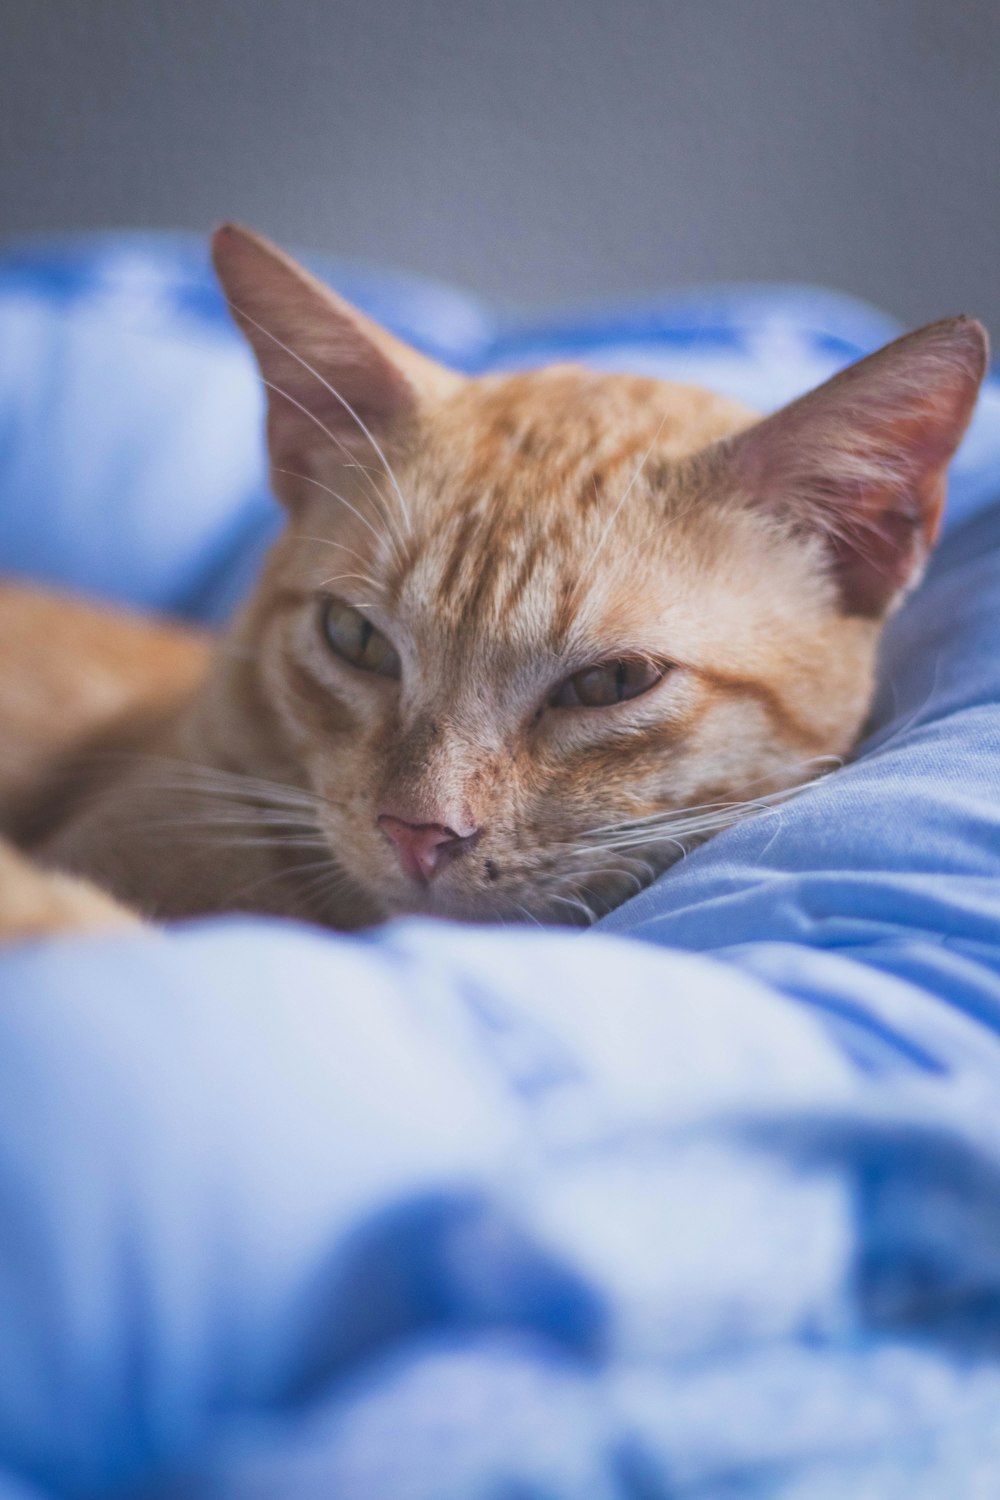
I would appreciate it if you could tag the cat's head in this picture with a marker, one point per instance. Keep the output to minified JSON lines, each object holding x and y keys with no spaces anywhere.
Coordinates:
{"x":531,"y":635}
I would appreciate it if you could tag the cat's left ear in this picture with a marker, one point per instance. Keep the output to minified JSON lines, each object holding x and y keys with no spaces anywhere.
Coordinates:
{"x":335,"y":379}
{"x":862,"y":460}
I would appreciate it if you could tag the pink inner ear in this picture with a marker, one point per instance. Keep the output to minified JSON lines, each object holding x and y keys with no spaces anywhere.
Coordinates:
{"x":884,"y":554}
{"x":862,"y":460}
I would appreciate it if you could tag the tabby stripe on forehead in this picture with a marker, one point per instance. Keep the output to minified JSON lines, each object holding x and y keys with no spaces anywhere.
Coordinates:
{"x":448,"y":580}
{"x":491,"y":553}
{"x":488,"y":586}
{"x":508,"y":557}
{"x":522,"y":578}
{"x":566,"y":607}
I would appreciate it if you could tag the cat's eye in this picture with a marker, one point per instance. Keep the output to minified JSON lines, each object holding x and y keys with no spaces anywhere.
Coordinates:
{"x":355,"y":640}
{"x":609,"y":682}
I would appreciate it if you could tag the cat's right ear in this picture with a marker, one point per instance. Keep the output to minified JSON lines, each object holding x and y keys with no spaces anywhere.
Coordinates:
{"x":861,"y":461}
{"x":335,"y":380}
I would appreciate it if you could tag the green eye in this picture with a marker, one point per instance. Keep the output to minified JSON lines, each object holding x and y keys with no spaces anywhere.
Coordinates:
{"x":609,"y":682}
{"x":355,"y":640}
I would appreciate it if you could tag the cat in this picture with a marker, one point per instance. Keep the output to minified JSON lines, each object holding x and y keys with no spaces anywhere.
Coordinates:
{"x":526,"y":638}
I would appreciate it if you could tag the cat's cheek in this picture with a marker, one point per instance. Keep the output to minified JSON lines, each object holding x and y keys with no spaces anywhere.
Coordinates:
{"x":587,"y":772}
{"x":293,"y":682}
{"x":315,"y":711}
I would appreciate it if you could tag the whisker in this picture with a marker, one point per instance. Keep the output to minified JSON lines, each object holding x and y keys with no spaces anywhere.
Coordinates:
{"x":656,"y":531}
{"x":283,"y":872}
{"x":676,"y":832}
{"x":344,"y":577}
{"x":272,"y":826}
{"x":254,"y":798}
{"x":322,"y":541}
{"x":390,"y":472}
{"x":830,"y":761}
{"x":329,"y":883}
{"x":617,"y":873}
{"x":219,"y":840}
{"x":227,"y":801}
{"x":530,"y":915}
{"x":218,"y":777}
{"x":380,"y":536}
{"x":680,"y":827}
{"x":244,"y":798}
{"x":576,"y":904}
{"x":900,"y":730}
{"x":337,"y":442}
{"x":396,"y":551}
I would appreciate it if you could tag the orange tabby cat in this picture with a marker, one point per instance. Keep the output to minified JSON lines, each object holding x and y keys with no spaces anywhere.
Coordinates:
{"x":526,"y":637}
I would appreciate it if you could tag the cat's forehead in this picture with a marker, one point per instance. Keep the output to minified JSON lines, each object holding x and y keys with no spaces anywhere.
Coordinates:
{"x":524,"y":484}
{"x":568,"y":428}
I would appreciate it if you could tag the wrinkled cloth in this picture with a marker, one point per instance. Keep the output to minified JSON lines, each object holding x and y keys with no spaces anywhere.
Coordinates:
{"x":704,"y":1203}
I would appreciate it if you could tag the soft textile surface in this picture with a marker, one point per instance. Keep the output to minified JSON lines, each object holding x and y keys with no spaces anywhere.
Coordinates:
{"x":450,"y":1213}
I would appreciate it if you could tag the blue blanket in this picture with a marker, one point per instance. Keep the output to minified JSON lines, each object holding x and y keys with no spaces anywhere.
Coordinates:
{"x":702,"y":1205}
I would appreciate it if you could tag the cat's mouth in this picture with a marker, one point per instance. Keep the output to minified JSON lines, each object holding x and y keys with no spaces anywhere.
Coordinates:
{"x":458,"y":882}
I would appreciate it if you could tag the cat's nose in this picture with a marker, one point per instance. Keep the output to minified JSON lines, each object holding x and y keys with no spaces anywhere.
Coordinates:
{"x":423,"y":848}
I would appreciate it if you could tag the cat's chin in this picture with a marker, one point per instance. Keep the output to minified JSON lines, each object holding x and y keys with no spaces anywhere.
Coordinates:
{"x":548,"y":903}
{"x":455,"y":907}
{"x":447,"y":901}
{"x":486,"y":909}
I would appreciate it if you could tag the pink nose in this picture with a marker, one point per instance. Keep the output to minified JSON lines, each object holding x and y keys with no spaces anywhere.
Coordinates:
{"x":423,"y":848}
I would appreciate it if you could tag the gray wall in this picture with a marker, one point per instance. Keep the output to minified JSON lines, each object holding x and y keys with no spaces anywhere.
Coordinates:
{"x":534,"y":150}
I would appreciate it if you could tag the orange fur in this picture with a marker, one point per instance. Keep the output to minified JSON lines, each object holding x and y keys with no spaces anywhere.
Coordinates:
{"x":504,"y":535}
{"x":71,"y":667}
{"x":36,"y":903}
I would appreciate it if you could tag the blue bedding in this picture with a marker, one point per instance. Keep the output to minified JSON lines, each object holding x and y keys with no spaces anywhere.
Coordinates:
{"x":702,"y":1204}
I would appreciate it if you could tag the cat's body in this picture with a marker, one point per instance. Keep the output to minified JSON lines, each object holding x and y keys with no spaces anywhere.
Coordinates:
{"x":525,"y":637}
{"x":81,"y":685}
{"x":69,"y":669}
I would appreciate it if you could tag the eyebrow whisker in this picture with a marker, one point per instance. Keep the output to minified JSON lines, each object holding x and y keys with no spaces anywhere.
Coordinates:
{"x":390,"y":472}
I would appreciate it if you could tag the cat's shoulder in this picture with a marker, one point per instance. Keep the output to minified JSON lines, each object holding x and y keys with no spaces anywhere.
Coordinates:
{"x":70,"y":667}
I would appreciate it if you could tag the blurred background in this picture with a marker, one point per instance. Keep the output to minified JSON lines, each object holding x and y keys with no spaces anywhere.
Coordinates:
{"x":557,"y":152}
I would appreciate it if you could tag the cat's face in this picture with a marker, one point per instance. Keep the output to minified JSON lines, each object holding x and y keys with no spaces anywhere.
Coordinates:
{"x":531,"y":636}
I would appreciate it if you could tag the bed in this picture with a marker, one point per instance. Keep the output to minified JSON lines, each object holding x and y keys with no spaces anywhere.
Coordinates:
{"x":701,"y":1203}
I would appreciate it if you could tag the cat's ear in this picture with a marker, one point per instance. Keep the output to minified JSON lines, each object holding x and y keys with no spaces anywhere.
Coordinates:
{"x":862,"y":460}
{"x":334,"y":378}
